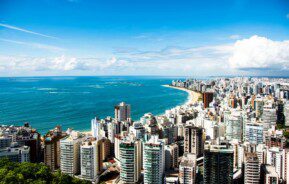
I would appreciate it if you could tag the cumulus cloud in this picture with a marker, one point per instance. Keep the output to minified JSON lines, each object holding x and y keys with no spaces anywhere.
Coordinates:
{"x":244,"y":56}
{"x":60,"y":63}
{"x":260,"y":53}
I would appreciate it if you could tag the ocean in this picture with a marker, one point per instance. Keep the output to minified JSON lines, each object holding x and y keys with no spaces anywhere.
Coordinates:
{"x":72,"y":102}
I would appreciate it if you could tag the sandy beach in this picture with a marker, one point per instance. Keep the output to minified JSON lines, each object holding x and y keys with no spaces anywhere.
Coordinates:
{"x":193,"y":95}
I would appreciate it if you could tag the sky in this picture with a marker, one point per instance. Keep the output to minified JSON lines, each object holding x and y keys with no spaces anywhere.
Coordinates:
{"x":144,"y":37}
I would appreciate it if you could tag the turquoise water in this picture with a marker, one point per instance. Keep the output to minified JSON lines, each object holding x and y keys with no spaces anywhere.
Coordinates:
{"x":73,"y":101}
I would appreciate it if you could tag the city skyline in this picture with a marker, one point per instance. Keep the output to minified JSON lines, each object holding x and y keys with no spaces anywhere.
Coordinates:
{"x":82,"y":37}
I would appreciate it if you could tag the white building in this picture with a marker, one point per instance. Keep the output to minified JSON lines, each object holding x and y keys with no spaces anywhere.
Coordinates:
{"x":90,"y":160}
{"x":252,"y":169}
{"x":269,"y":117}
{"x":187,"y":169}
{"x":254,"y":133}
{"x":275,"y":157}
{"x":69,"y":155}
{"x":234,"y":125}
{"x":97,"y":129}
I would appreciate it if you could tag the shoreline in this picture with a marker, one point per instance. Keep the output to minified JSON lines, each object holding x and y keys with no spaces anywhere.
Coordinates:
{"x":193,"y":95}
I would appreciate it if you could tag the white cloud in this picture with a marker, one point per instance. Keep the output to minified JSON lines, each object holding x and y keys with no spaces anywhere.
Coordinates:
{"x":260,"y":53}
{"x":240,"y":57}
{"x":24,"y":30}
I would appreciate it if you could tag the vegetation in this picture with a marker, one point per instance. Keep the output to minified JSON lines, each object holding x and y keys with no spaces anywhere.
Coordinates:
{"x":12,"y":172}
{"x":280,"y":126}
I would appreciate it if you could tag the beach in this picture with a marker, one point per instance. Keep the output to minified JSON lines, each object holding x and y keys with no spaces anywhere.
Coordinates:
{"x":193,"y":95}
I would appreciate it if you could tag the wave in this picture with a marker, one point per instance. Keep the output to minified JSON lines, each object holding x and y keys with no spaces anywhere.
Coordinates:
{"x":96,"y":86}
{"x":46,"y":89}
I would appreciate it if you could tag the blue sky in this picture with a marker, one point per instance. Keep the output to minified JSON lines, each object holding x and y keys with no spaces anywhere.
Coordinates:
{"x":137,"y":37}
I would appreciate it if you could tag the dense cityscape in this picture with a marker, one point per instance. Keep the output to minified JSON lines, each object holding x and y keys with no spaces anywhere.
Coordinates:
{"x":231,"y":130}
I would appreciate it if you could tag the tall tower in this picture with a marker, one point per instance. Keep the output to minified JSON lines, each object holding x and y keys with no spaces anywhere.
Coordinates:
{"x":207,"y":98}
{"x":194,"y":140}
{"x":88,"y":160}
{"x":286,"y":114}
{"x":122,"y":111}
{"x":52,"y":148}
{"x":187,"y":169}
{"x":153,"y":161}
{"x":218,"y":164}
{"x":69,"y":155}
{"x":252,"y":169}
{"x":130,"y":161}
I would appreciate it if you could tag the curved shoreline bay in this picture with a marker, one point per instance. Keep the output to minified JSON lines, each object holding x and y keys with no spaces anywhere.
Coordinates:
{"x":72,"y":102}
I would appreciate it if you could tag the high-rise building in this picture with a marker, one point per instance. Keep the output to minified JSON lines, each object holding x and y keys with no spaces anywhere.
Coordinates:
{"x":187,"y":169}
{"x":252,"y":169}
{"x":193,"y":140}
{"x":280,"y":112}
{"x":254,"y":133}
{"x":153,"y":161}
{"x":286,"y":113}
{"x":70,"y":155}
{"x":218,"y":164}
{"x":207,"y":98}
{"x":52,"y":148}
{"x":138,"y":130}
{"x":97,"y":129}
{"x":90,"y":160}
{"x":171,"y":156}
{"x":269,"y":117}
{"x":258,"y":106}
{"x":130,"y":160}
{"x":275,"y":158}
{"x":122,"y":111}
{"x":234,"y":125}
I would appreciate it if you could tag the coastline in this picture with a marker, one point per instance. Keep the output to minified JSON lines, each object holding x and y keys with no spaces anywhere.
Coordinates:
{"x":193,"y":95}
